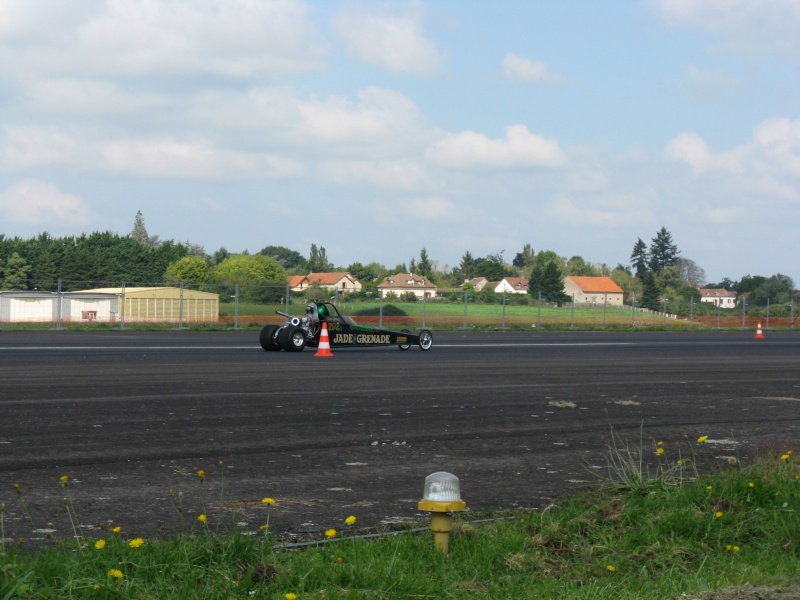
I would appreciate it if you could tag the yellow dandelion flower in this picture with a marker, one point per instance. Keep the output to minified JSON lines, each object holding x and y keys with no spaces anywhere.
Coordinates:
{"x":751,"y":485}
{"x":728,"y":547}
{"x":64,"y":479}
{"x":736,"y":548}
{"x":785,"y":457}
{"x":268,"y":501}
{"x":201,"y":474}
{"x":709,"y":487}
{"x":718,"y":514}
{"x":702,"y":439}
{"x":136,"y":542}
{"x":679,"y":461}
{"x":202,"y":518}
{"x":96,"y":588}
{"x":330,"y":534}
{"x":264,"y":527}
{"x":339,"y":560}
{"x":290,"y":596}
{"x":659,"y":451}
{"x":350,"y":520}
{"x":610,"y":568}
{"x":17,"y":488}
{"x":117,"y":529}
{"x":115,"y":573}
{"x":659,"y":444}
{"x":100,"y":544}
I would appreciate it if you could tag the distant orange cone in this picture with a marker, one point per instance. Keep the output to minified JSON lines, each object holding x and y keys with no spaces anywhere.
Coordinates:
{"x":759,"y":333}
{"x":325,"y":344}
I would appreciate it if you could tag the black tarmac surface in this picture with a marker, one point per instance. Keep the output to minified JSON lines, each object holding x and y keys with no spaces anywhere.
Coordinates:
{"x":519,"y":417}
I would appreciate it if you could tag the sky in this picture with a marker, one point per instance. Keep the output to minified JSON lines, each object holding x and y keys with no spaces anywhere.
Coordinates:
{"x":375,"y":129}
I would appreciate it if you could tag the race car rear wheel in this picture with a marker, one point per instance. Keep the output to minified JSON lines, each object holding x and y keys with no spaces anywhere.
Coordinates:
{"x":269,"y":338}
{"x":293,"y":339}
{"x":407,"y":345}
{"x":425,"y":339}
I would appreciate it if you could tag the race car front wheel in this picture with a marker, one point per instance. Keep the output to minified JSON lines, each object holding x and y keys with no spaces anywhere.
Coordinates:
{"x":293,"y":339}
{"x":425,"y":339}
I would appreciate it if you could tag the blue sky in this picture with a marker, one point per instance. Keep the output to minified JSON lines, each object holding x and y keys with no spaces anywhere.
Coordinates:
{"x":375,"y":129}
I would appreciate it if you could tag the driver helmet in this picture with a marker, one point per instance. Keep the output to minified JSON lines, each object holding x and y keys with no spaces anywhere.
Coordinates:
{"x":310,"y":308}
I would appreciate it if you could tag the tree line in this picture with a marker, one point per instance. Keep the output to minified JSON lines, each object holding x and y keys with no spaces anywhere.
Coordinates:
{"x":655,"y":273}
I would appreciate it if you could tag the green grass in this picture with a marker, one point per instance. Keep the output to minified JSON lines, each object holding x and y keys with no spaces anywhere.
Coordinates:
{"x":674,"y":533}
{"x":447,"y":315}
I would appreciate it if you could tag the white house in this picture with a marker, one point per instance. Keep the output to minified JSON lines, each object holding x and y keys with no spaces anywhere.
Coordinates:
{"x":403,"y":283}
{"x":718,"y":297}
{"x":512,"y":285}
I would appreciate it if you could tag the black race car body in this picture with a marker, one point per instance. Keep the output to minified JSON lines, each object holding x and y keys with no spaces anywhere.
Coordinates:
{"x":299,"y":332}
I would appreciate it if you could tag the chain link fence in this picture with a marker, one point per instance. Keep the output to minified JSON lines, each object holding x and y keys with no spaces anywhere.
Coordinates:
{"x":120,"y":305}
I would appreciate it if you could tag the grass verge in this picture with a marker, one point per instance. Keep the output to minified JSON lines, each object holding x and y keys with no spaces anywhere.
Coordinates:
{"x":675,"y":533}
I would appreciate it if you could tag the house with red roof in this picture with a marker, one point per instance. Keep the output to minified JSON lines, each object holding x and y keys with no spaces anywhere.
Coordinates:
{"x":344,"y":282}
{"x":593,"y":290}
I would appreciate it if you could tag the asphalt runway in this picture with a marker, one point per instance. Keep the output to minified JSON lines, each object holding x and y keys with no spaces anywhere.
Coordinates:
{"x":519,"y":417}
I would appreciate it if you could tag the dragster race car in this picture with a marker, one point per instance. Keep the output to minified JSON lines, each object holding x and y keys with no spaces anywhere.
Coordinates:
{"x":299,"y":332}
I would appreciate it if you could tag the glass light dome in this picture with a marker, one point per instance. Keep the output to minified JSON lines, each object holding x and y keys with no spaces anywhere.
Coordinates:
{"x":442,"y":487}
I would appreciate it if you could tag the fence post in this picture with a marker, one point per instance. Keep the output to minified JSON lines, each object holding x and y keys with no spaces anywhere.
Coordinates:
{"x":744,"y":305}
{"x":572,"y":319}
{"x":180,"y":308}
{"x":122,"y":311}
{"x":605,"y":307}
{"x":691,"y":312}
{"x":380,"y":313}
{"x":59,"y":306}
{"x":236,"y":307}
{"x":719,"y":316}
{"x":466,"y":295}
{"x":664,"y":322}
{"x":633,"y":310}
{"x":791,"y":318}
{"x":503,"y":325}
{"x":539,"y":310}
{"x":424,"y":307}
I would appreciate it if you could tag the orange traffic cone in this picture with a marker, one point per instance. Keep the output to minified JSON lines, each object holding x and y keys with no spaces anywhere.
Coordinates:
{"x":759,"y":333}
{"x":324,"y":348}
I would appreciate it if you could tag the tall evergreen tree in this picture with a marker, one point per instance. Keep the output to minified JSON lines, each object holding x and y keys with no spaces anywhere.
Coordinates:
{"x":318,"y":260}
{"x":546,"y":278}
{"x":650,"y":292}
{"x":640,"y":258}
{"x":663,"y":252}
{"x":424,"y":266}
{"x":15,"y":273}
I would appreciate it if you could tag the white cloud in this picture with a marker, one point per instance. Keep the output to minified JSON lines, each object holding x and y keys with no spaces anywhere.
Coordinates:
{"x":519,"y":68}
{"x":773,"y":151}
{"x":33,"y":202}
{"x":380,"y":174}
{"x":519,"y":149}
{"x":25,"y":147}
{"x":748,"y":26}
{"x":613,"y":210}
{"x":231,"y":38}
{"x":421,"y":210}
{"x":388,"y":36}
{"x":706,"y":84}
